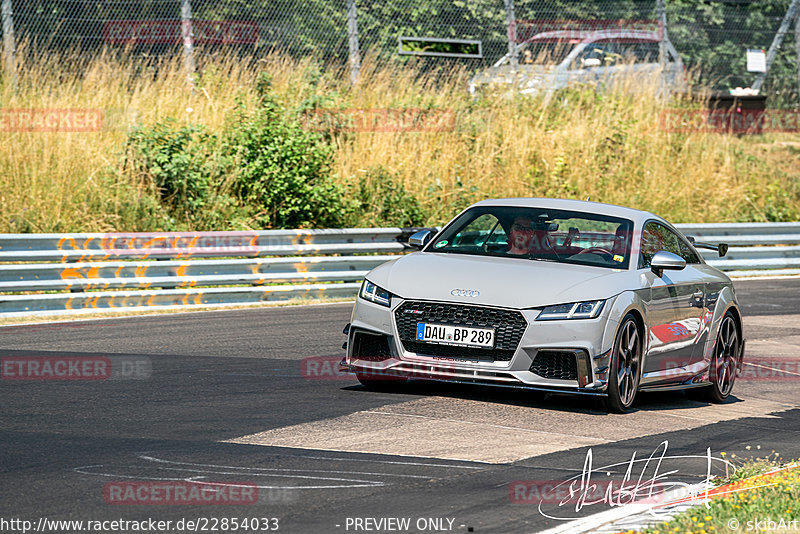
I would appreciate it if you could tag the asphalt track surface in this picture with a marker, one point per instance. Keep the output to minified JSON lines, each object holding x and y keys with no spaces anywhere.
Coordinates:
{"x":225,"y":397}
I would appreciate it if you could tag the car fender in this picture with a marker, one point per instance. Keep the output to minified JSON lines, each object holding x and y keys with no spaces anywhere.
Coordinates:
{"x":622,"y":304}
{"x":725,"y":301}
{"x":380,"y":274}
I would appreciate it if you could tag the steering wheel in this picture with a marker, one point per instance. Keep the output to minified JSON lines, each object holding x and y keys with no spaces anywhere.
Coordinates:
{"x":595,"y":250}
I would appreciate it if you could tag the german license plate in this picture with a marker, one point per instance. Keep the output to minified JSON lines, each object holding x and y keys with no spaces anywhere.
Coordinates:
{"x":463,"y":336}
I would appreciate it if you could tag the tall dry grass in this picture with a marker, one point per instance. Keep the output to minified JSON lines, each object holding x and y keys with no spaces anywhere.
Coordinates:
{"x":607,"y":146}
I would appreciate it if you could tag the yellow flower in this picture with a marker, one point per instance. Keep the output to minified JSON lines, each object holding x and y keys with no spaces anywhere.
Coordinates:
{"x":694,"y":518}
{"x":707,"y":518}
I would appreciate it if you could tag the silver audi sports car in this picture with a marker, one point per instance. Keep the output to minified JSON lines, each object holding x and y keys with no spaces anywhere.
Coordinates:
{"x":557,"y":295}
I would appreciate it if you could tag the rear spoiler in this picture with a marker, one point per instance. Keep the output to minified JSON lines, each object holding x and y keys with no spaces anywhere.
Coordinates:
{"x":721,"y":248}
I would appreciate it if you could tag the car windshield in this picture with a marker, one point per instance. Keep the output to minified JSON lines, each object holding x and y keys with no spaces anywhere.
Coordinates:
{"x":545,"y":52}
{"x":539,"y":234}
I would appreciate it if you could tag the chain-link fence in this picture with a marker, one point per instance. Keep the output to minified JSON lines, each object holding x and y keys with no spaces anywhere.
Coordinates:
{"x":712,"y":37}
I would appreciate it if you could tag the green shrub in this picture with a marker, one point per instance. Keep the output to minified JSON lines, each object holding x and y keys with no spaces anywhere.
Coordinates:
{"x":282,"y":171}
{"x":174,"y":160}
{"x":380,"y":200}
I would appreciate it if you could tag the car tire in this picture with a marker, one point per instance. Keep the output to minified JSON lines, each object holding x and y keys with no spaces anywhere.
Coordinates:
{"x":383,"y":383}
{"x":625,"y":366}
{"x":722,"y":372}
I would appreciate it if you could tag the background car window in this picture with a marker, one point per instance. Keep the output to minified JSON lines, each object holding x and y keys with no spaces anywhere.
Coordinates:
{"x":545,"y":52}
{"x":646,"y":52}
{"x":605,"y":52}
{"x":656,"y":237}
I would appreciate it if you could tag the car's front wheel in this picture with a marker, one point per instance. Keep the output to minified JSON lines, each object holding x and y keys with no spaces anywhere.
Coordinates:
{"x":625,"y":366}
{"x":723,"y":363}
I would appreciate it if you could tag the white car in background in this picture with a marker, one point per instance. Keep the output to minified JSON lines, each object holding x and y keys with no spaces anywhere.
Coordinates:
{"x":553,"y":60}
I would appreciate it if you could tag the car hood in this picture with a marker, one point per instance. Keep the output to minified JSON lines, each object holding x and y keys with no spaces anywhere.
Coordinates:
{"x":506,"y":282}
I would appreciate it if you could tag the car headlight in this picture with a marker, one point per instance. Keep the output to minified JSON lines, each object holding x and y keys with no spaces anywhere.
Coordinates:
{"x":373,"y":293}
{"x":573,"y":310}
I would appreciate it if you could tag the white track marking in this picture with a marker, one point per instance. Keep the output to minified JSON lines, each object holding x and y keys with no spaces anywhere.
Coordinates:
{"x":158,"y":460}
{"x":354,"y":483}
{"x":391,"y":462}
{"x":771,"y":368}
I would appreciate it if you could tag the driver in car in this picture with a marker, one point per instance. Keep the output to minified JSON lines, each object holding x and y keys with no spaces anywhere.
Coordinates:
{"x":520,"y":238}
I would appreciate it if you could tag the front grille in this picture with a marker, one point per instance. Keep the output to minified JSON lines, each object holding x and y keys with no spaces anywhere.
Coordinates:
{"x":555,"y":365}
{"x":509,"y":325}
{"x":371,"y":347}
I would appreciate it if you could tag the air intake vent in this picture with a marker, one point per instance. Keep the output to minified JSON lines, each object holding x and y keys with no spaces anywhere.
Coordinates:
{"x":555,"y":365}
{"x":371,"y":347}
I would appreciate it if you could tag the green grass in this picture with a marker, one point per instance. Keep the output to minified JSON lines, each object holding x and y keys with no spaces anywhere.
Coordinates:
{"x":763,"y":497}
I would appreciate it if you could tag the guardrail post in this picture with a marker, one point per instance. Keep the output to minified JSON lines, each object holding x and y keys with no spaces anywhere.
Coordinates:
{"x":9,"y":54}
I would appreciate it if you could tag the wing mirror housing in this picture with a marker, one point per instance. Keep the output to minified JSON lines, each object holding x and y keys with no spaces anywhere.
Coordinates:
{"x":419,"y":239}
{"x":590,"y":62}
{"x":666,"y":261}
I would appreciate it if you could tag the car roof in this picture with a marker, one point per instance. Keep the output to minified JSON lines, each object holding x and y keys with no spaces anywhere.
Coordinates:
{"x":587,"y":36}
{"x":637,"y":216}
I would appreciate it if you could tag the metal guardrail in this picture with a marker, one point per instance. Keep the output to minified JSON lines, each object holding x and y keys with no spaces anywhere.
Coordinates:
{"x":93,"y":272}
{"x":43,"y":274}
{"x":756,"y":249}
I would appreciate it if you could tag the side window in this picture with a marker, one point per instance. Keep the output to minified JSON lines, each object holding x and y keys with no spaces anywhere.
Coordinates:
{"x":687,"y":253}
{"x":647,"y":52}
{"x":602,"y":52}
{"x":476,"y":233}
{"x":656,"y":237}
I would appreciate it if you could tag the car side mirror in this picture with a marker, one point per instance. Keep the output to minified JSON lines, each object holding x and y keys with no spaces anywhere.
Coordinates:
{"x":420,"y":239}
{"x":663,"y":260}
{"x":722,"y":248}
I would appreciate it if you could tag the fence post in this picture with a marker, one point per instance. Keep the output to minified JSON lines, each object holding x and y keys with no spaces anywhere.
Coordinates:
{"x":776,"y":42}
{"x":511,"y":25}
{"x":352,"y":33}
{"x":9,"y":59}
{"x":661,"y":13}
{"x":188,"y":40}
{"x":797,"y":50}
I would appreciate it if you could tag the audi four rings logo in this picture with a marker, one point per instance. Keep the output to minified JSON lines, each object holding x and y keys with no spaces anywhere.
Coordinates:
{"x":465,"y":292}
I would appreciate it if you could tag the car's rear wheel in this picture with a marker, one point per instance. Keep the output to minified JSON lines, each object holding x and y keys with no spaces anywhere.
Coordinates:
{"x":723,"y":363}
{"x":380,"y":382}
{"x":625,"y":366}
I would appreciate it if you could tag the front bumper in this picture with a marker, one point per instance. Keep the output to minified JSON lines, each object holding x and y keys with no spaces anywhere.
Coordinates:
{"x":562,"y":355}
